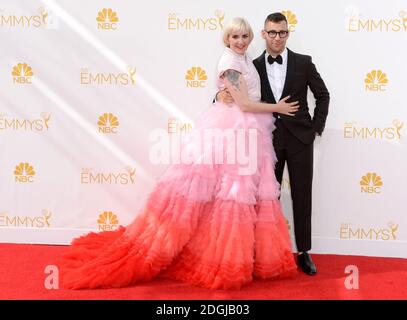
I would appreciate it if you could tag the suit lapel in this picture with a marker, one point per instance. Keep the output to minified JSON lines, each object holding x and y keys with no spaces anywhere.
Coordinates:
{"x":290,"y":74}
{"x":268,"y":93}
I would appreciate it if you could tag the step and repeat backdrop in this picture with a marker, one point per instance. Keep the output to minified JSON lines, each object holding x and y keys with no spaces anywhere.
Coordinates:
{"x":88,"y":86}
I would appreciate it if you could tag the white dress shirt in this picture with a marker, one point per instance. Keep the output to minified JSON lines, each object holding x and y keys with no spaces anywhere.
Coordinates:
{"x":276,"y":74}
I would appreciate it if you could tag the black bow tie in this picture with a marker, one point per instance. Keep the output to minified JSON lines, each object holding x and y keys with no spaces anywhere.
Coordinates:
{"x":278,"y":59}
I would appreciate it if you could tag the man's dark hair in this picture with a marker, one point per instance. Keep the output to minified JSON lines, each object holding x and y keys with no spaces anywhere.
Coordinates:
{"x":276,"y":17}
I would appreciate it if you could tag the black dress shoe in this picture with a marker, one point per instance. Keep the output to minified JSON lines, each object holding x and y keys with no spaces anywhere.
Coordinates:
{"x":306,"y":264}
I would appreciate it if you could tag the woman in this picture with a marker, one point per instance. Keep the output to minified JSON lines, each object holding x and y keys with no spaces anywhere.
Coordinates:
{"x":208,"y":224}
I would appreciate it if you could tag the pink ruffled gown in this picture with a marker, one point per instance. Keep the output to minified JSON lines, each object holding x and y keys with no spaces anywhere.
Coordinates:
{"x":204,"y":223}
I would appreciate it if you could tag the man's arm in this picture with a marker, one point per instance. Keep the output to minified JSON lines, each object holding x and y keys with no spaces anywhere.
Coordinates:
{"x":321,"y":94}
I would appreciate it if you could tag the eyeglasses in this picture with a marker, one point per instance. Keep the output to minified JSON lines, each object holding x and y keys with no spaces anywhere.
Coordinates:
{"x":273,"y":33}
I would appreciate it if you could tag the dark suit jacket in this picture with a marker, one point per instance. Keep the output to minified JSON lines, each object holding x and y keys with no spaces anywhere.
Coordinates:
{"x":301,"y":74}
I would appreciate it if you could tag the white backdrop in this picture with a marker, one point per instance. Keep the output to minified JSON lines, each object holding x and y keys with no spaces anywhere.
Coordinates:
{"x":67,"y":167}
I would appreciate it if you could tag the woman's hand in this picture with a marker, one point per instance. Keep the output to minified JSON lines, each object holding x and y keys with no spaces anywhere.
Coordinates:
{"x":287,"y":108}
{"x":225,"y":97}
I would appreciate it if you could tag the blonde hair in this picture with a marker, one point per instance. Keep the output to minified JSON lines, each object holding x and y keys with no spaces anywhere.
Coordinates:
{"x":237,"y":25}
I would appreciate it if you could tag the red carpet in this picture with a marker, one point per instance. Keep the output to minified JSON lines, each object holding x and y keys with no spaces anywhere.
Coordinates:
{"x":22,"y":276}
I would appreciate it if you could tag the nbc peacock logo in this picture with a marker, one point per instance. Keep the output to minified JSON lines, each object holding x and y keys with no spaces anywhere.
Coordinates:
{"x":22,"y":74}
{"x":291,"y":19}
{"x":376,"y":81}
{"x":107,"y":221}
{"x":108,"y":123}
{"x":371,"y":183}
{"x":196,"y":77}
{"x":24,"y":172}
{"x":107,"y":19}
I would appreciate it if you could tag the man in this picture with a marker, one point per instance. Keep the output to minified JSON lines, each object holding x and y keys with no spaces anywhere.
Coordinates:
{"x":286,"y":73}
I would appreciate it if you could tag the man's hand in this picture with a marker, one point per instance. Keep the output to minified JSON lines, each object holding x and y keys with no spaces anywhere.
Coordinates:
{"x":225,"y":97}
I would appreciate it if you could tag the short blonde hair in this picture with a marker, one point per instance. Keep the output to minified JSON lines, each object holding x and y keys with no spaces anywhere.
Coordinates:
{"x":236,"y":25}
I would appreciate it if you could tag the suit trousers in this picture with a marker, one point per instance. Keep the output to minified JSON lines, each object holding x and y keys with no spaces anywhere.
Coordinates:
{"x":299,"y":158}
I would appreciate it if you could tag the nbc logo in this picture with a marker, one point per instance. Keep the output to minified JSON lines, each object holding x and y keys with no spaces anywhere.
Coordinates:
{"x":22,"y":73}
{"x":371,"y":183}
{"x":196,"y":77}
{"x":107,"y":19}
{"x":107,"y":221}
{"x":108,"y":123}
{"x":291,"y":19}
{"x":24,"y":172}
{"x":376,"y":81}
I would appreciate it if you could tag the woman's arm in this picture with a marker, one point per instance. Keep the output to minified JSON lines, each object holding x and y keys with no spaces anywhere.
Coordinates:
{"x":237,"y":87}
